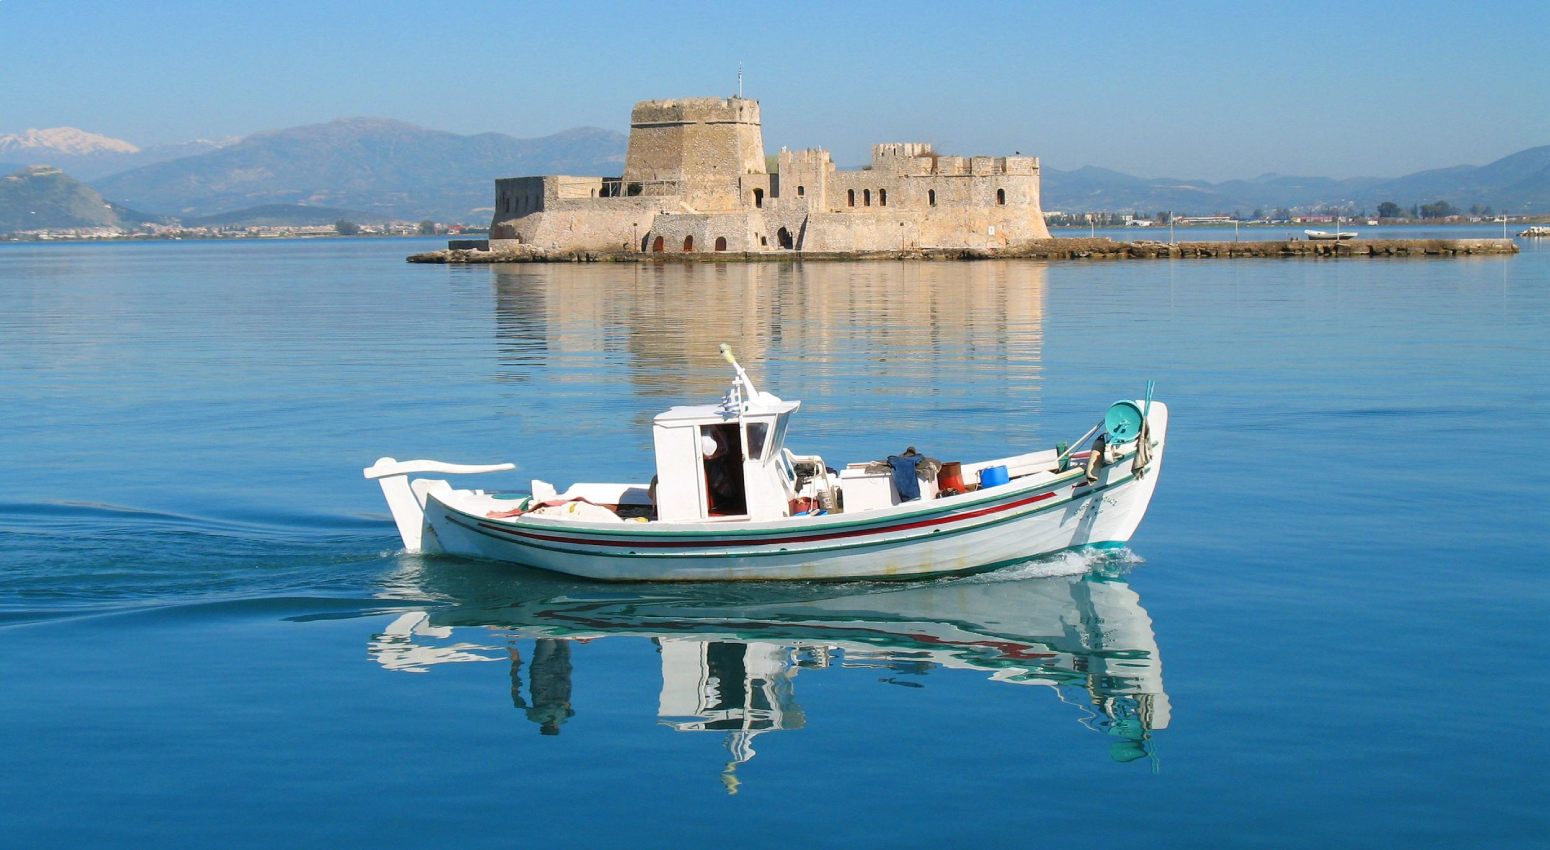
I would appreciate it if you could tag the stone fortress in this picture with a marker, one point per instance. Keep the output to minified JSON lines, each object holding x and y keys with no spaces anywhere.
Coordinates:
{"x":695,"y":182}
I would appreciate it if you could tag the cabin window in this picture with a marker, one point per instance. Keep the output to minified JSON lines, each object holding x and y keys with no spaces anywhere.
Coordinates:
{"x":931,"y":197}
{"x":882,"y":197}
{"x":866,"y":197}
{"x":758,"y":434}
{"x":758,"y":197}
{"x":688,"y":244}
{"x":801,"y":190}
{"x":721,"y":243}
{"x":1000,"y":197}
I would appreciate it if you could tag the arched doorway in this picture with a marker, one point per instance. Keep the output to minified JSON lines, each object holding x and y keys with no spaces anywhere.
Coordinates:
{"x":866,"y":197}
{"x":688,"y":244}
{"x":783,"y":238}
{"x":656,"y":246}
{"x":721,"y":243}
{"x":882,"y":197}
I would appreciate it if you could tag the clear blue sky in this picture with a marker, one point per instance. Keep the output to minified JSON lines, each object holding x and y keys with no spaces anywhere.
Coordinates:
{"x":1180,"y":89}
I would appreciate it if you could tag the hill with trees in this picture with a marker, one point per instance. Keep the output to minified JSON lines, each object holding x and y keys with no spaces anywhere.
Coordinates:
{"x":41,"y":197}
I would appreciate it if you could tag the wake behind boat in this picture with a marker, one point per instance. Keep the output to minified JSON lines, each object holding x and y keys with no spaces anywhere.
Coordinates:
{"x":731,"y":502}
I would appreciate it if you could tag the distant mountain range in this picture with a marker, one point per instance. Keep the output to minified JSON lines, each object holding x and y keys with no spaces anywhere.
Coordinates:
{"x":375,"y":169}
{"x":387,"y":169}
{"x":1519,"y":183}
{"x":87,"y":156}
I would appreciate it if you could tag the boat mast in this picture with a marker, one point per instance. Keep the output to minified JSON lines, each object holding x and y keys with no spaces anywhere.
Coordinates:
{"x":742,"y":389}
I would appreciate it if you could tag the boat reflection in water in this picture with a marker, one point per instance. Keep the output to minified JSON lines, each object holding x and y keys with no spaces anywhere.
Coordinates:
{"x":730,"y":655}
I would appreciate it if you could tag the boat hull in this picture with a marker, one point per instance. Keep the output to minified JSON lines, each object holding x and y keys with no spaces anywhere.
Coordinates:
{"x":966,"y":533}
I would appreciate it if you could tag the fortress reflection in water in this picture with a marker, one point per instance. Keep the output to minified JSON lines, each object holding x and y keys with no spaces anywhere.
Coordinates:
{"x":663,"y":322}
{"x":730,"y":656}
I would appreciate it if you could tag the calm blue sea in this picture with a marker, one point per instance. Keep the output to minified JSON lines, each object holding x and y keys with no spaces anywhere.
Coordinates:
{"x":1332,"y":630}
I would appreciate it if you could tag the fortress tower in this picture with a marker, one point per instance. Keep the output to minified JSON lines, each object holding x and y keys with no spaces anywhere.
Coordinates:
{"x":697,"y":148}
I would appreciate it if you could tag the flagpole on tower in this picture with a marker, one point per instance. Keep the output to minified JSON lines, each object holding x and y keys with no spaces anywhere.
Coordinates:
{"x":739,"y":80}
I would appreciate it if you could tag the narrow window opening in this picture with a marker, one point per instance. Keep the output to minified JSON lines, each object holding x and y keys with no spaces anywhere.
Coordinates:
{"x":758,"y":197}
{"x":882,"y":197}
{"x":931,"y":197}
{"x":850,"y":197}
{"x":1000,"y":197}
{"x":801,"y":190}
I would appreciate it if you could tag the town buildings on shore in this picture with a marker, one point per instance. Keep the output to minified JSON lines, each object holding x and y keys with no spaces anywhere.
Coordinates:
{"x":695,"y":181}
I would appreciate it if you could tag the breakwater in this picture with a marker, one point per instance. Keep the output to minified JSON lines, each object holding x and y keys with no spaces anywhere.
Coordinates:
{"x":1043,"y":249}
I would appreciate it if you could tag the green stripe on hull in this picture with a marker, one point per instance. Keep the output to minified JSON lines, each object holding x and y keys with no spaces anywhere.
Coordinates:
{"x":1042,"y":508}
{"x":925,"y":576}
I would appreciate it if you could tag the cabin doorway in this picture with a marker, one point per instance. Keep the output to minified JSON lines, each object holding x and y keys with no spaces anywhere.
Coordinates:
{"x":721,"y":455}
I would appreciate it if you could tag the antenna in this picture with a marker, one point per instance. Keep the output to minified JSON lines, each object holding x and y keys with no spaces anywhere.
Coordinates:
{"x":739,"y":80}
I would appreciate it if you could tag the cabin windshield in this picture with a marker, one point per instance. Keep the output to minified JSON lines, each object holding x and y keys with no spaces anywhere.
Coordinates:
{"x":781,"y":422}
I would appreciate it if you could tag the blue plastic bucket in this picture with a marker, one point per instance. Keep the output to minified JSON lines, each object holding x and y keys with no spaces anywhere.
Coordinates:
{"x":992,"y":476}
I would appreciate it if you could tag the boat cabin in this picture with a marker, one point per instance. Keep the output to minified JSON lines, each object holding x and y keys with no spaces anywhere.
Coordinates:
{"x":725,"y":460}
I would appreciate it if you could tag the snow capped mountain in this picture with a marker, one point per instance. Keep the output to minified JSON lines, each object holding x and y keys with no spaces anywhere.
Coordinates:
{"x":67,"y":141}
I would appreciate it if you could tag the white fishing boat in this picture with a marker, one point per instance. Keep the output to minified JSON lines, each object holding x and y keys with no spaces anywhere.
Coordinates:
{"x":1320,"y":235}
{"x":731,"y":502}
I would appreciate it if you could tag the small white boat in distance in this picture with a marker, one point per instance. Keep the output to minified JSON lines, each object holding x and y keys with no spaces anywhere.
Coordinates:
{"x":730,"y":502}
{"x":1320,"y":235}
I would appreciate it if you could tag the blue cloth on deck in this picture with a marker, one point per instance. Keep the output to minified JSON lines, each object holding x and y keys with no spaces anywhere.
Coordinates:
{"x":904,"y":480}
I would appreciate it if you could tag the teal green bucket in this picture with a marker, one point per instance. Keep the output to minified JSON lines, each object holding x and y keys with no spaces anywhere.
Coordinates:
{"x":1122,"y":422}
